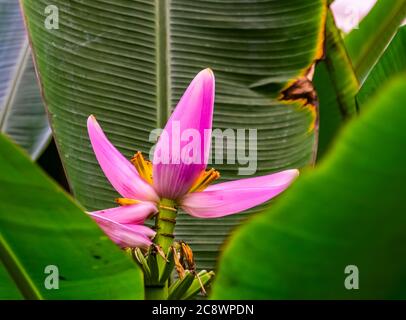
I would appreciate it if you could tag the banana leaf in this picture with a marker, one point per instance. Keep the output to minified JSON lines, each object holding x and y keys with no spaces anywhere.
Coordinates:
{"x":128,"y":62}
{"x":22,"y":112}
{"x":346,"y":214}
{"x":391,"y":63}
{"x":41,"y":226}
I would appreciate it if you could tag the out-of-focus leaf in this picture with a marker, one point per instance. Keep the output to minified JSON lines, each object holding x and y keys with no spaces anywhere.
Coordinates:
{"x":350,"y":210}
{"x":22,"y":113}
{"x":8,"y":289}
{"x":366,"y":43}
{"x":391,"y":63}
{"x":336,"y":85}
{"x":41,"y":226}
{"x":128,"y":62}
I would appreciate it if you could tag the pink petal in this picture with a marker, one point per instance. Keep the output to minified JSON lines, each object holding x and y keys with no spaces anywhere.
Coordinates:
{"x":174,"y":172}
{"x":146,"y":231}
{"x":135,"y":213}
{"x":118,"y":170}
{"x":125,"y":235}
{"x":232,"y":197}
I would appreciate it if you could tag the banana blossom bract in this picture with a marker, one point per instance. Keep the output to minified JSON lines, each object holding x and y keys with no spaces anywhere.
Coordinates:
{"x":173,"y":175}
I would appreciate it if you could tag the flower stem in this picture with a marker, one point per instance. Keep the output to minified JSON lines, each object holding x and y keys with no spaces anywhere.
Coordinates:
{"x":164,"y":226}
{"x":156,"y":293}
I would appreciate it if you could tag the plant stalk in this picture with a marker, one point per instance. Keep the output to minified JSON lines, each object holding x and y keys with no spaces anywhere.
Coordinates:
{"x":165,"y":222}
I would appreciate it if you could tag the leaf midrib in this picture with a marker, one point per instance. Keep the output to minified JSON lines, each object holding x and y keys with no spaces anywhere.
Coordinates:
{"x":15,"y":83}
{"x":337,"y":42}
{"x":17,"y":272}
{"x":162,"y":64}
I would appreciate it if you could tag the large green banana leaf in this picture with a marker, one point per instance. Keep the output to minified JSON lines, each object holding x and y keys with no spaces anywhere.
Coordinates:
{"x":128,"y":62}
{"x":41,"y":226}
{"x":366,"y":43}
{"x":336,"y":85}
{"x":22,"y":113}
{"x":391,"y":63}
{"x":349,"y":211}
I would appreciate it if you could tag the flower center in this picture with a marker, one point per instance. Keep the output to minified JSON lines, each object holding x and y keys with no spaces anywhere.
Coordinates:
{"x":126,"y":201}
{"x":144,"y":167}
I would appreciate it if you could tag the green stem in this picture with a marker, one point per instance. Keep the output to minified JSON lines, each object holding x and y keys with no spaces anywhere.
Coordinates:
{"x":164,"y":224}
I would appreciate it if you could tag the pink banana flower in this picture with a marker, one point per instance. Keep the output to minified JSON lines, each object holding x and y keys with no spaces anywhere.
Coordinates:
{"x":174,"y":176}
